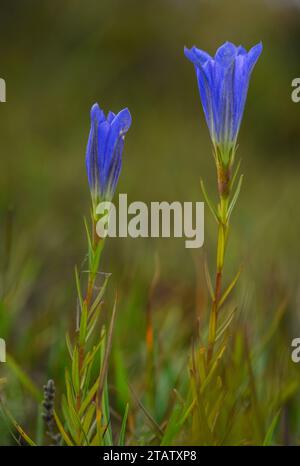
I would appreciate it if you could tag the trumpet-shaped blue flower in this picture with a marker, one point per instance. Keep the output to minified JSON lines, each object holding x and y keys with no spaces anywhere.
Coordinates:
{"x":223,"y":82}
{"x":104,"y":150}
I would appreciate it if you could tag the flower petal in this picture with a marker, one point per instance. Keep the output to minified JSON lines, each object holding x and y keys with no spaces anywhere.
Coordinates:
{"x":253,"y":55}
{"x":110,"y":116}
{"x":97,"y":114}
{"x":226,"y":54}
{"x":104,"y":149}
{"x":197,"y":56}
{"x":114,"y":146}
{"x":223,"y":85}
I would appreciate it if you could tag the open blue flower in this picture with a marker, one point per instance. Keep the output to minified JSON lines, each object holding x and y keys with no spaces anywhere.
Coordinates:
{"x":223,"y":82}
{"x":104,"y":150}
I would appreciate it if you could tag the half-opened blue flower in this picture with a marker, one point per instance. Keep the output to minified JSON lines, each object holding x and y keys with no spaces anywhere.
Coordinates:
{"x":104,"y":150}
{"x":223,"y":82}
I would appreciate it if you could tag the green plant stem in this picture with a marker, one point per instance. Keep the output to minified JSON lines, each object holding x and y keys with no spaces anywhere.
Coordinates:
{"x":87,"y":302}
{"x":223,"y":227}
{"x":92,"y":273}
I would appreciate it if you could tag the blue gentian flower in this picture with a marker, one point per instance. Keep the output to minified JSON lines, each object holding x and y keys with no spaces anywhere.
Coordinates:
{"x":223,"y":82}
{"x":104,"y":151}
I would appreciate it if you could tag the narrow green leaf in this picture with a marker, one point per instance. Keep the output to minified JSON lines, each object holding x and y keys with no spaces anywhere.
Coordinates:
{"x":209,"y":203}
{"x":208,"y":281}
{"x":173,"y":426}
{"x":233,"y":179}
{"x":91,"y":356}
{"x":62,"y":431}
{"x":235,"y":197}
{"x":104,"y":365}
{"x":88,"y":418}
{"x":23,"y":378}
{"x":148,"y":416}
{"x":78,"y":287}
{"x":123,"y":427}
{"x":85,"y":403}
{"x":225,"y":324}
{"x":90,"y":247}
{"x":230,"y":288}
{"x":83,"y":324}
{"x":75,"y":370}
{"x":99,"y":295}
{"x":71,"y":424}
{"x":16,"y":425}
{"x":214,"y":366}
{"x":69,"y":389}
{"x":268,"y":440}
{"x":107,"y":436}
{"x":69,"y":345}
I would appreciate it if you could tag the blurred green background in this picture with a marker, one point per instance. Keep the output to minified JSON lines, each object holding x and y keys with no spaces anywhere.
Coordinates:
{"x":58,"y":58}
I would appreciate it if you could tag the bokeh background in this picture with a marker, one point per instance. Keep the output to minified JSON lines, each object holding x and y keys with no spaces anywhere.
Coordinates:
{"x":58,"y":58}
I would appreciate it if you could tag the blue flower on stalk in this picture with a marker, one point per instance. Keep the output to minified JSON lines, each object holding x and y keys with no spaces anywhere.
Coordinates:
{"x":223,"y":82}
{"x":104,"y":150}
